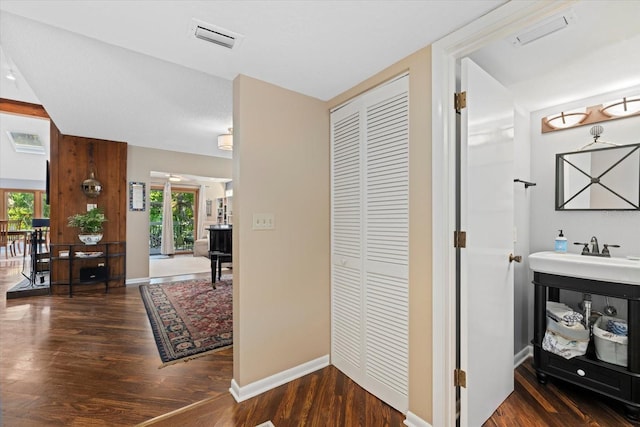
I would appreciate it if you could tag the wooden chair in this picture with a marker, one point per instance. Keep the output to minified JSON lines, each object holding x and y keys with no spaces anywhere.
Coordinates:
{"x":4,"y":239}
{"x":16,"y":239}
{"x":41,"y":225}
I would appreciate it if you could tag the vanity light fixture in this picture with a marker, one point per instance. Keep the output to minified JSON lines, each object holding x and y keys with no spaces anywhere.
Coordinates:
{"x":621,"y":107}
{"x":225,"y":141}
{"x":567,"y":119}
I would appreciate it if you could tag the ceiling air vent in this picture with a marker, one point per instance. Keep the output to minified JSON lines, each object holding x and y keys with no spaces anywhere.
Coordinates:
{"x":544,"y":28}
{"x":215,"y":34}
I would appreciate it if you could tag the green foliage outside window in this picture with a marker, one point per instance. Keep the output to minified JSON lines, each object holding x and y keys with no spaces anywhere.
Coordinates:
{"x":182,"y":205}
{"x":21,"y":206}
{"x":45,"y":207}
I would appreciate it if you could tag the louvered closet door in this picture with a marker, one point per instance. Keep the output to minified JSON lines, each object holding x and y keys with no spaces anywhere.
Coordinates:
{"x":377,"y":291}
{"x":346,"y":241}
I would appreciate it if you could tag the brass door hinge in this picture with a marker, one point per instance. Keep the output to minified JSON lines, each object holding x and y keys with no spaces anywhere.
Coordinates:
{"x":459,"y":378}
{"x":459,"y":239}
{"x":460,"y":101}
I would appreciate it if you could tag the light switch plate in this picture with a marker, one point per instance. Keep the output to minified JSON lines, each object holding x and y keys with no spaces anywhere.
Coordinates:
{"x":91,"y":206}
{"x":264,"y":221}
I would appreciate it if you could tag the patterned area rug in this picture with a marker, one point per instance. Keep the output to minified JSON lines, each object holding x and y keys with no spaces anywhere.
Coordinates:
{"x":189,"y":319}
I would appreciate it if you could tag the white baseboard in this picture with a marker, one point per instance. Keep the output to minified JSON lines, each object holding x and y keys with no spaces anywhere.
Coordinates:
{"x":248,"y":391}
{"x":522,"y":355}
{"x":137,"y":280}
{"x":415,"y":421}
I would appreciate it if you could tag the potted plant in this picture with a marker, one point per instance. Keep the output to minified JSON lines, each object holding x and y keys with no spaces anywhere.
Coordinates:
{"x":90,"y":225}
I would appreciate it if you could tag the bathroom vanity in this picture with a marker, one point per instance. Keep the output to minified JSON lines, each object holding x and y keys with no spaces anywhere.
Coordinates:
{"x":617,"y":278}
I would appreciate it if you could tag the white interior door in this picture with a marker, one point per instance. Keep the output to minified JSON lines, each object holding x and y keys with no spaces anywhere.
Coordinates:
{"x":486,"y":274}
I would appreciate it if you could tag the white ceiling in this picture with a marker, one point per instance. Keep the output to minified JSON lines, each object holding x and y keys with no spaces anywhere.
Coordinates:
{"x":599,"y":52}
{"x":130,"y":70}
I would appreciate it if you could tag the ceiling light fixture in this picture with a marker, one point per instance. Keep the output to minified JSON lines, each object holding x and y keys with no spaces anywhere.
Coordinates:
{"x":10,"y":75}
{"x":621,"y":107}
{"x":225,"y":141}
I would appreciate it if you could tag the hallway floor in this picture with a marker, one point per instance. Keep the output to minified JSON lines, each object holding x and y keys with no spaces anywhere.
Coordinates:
{"x":92,"y":360}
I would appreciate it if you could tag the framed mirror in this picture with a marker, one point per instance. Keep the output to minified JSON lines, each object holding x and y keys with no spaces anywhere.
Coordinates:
{"x":599,"y":179}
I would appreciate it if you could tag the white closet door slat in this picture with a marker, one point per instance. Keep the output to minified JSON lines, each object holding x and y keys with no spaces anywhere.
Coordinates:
{"x":387,"y":339}
{"x":347,"y":183}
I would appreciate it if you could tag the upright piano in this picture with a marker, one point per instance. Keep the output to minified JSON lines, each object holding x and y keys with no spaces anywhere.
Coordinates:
{"x":220,"y":240}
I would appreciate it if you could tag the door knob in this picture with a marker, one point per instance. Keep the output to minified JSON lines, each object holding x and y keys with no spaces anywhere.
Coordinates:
{"x":516,"y":258}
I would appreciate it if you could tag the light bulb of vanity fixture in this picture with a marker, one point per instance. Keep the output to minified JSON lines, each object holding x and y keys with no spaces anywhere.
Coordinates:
{"x":622,"y":107}
{"x":567,"y":119}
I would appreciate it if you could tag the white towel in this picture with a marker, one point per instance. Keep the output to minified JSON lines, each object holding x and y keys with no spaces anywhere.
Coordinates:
{"x":563,"y":313}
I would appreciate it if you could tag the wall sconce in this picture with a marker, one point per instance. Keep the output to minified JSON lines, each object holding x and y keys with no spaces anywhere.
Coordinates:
{"x":91,"y":187}
{"x":225,"y":142}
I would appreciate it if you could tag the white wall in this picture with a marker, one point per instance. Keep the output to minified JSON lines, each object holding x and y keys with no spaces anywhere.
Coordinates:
{"x":523,"y":291}
{"x":614,"y":227}
{"x":21,"y":170}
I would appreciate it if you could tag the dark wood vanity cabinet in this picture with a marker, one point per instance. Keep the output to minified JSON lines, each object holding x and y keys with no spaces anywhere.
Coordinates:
{"x":617,"y":382}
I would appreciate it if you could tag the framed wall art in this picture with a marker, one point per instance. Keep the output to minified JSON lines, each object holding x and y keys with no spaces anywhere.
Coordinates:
{"x":137,"y":196}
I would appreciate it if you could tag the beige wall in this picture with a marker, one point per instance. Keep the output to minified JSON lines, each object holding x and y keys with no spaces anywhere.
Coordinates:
{"x":281,"y":295}
{"x":140,"y":162}
{"x":420,"y":285}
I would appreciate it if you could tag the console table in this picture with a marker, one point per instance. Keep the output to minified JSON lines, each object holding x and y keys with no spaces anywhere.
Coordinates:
{"x":87,"y":264}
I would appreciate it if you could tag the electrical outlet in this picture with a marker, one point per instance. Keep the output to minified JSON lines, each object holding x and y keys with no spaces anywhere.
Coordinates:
{"x":264,"y":221}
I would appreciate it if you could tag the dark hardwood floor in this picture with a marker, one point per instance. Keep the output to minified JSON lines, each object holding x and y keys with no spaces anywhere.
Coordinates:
{"x":92,"y":361}
{"x":557,"y":404}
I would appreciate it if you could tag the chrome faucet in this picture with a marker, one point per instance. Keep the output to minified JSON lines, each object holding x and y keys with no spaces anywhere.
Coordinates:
{"x":594,"y":245}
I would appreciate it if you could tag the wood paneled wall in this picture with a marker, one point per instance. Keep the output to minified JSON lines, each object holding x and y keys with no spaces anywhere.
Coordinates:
{"x":70,"y":166}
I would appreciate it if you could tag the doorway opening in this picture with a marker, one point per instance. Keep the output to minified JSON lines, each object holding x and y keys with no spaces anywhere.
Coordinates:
{"x":183,"y":207}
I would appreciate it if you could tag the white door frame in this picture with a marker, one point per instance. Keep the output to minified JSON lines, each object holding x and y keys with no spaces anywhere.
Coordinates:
{"x":499,"y":24}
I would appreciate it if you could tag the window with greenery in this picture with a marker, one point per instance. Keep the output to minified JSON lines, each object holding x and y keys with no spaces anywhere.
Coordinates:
{"x":183,"y":202}
{"x":24,"y":205}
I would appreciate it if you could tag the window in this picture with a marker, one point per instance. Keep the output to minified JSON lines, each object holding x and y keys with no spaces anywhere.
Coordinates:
{"x":23,"y":205}
{"x":183,"y":203}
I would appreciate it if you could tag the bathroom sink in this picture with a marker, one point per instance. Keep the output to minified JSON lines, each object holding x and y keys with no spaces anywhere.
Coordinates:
{"x":619,"y":270}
